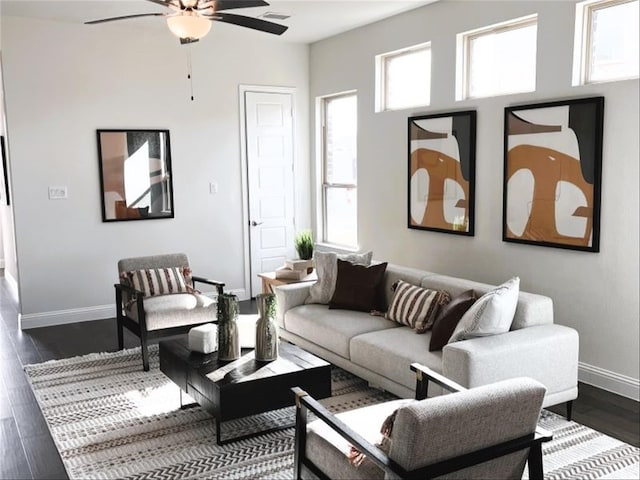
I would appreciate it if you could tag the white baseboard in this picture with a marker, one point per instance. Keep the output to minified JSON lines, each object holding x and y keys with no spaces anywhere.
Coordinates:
{"x":74,"y":315}
{"x":62,"y":317}
{"x":607,"y":380}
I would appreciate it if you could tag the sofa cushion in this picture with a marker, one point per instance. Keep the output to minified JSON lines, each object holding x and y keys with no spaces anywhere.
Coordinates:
{"x":394,"y":273}
{"x":327,"y":448}
{"x":164,"y":311}
{"x":491,"y":314}
{"x":532,"y":309}
{"x":327,"y":270}
{"x":357,"y":287}
{"x":414,"y":306}
{"x":332,"y":329}
{"x":448,"y":318}
{"x":391,"y":352}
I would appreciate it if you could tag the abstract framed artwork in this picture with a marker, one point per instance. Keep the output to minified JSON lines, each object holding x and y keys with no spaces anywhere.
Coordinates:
{"x":135,"y":174}
{"x":441,"y":180}
{"x":552,"y":174}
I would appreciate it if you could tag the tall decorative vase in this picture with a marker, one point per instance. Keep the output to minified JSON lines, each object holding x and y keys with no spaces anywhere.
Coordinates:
{"x":228,"y":335}
{"x":266,"y":328}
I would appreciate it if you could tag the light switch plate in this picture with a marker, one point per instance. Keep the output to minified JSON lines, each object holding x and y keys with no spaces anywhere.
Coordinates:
{"x":57,"y":193}
{"x":213,"y":188}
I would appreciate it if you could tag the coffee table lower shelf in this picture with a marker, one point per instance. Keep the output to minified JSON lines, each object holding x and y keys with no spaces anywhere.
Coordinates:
{"x":244,"y":387}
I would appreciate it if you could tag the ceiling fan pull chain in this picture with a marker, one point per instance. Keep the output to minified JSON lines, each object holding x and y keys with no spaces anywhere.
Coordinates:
{"x":190,"y":72}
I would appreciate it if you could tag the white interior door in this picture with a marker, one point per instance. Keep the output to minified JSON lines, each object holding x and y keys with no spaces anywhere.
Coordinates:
{"x":269,"y":137}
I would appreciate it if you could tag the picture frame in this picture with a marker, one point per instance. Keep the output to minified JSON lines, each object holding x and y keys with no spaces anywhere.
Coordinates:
{"x":552,"y":174}
{"x":135,"y":174}
{"x":441,"y":172}
{"x":5,"y":172}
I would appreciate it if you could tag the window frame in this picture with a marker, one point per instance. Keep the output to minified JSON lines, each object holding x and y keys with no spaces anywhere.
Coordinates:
{"x":582,"y":54}
{"x":464,"y":54}
{"x":381,"y":97}
{"x":323,"y":185}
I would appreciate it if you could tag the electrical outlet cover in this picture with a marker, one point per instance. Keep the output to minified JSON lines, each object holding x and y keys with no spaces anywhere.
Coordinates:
{"x":57,"y":193}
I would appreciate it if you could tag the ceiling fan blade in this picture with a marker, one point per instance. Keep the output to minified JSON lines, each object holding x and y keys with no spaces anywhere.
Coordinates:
{"x":229,"y":4}
{"x":250,"y":22}
{"x":113,"y":19}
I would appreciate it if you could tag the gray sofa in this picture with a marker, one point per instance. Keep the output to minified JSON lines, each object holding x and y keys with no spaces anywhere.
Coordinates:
{"x":380,"y":351}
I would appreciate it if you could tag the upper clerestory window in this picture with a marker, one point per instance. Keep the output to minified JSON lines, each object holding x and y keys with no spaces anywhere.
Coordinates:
{"x":606,"y":41}
{"x":403,"y":78}
{"x":497,"y":60}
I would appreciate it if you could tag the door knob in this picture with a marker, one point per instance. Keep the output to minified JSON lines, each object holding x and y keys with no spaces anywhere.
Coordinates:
{"x":254,"y":223}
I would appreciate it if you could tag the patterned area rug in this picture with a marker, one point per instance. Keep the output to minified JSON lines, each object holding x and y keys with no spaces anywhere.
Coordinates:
{"x":109,"y":419}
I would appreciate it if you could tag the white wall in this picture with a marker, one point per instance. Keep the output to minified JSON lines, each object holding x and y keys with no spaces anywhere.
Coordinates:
{"x":595,"y":293}
{"x":62,"y":82}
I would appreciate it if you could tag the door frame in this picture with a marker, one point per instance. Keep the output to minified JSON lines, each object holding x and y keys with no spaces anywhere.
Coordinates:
{"x":244,"y":166}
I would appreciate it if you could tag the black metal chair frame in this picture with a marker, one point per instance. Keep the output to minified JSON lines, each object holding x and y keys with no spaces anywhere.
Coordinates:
{"x":139,"y":328}
{"x":424,"y":375}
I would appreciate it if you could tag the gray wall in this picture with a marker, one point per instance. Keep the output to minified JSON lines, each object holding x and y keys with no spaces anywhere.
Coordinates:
{"x":62,"y":82}
{"x":596,"y":293}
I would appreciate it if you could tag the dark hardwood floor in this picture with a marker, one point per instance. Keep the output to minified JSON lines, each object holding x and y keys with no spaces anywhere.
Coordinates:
{"x":28,"y":450}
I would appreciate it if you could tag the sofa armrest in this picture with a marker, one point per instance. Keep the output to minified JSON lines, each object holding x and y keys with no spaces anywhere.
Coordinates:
{"x":289,"y":296}
{"x":547,"y":353}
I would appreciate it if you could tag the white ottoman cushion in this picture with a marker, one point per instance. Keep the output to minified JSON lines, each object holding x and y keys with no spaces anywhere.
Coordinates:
{"x":204,"y":338}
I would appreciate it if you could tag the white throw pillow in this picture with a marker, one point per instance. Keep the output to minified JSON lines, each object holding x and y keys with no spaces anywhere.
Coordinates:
{"x":326,"y":264}
{"x":491,"y":314}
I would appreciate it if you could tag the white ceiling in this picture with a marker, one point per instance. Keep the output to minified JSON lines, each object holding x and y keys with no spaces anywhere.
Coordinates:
{"x":311,"y":20}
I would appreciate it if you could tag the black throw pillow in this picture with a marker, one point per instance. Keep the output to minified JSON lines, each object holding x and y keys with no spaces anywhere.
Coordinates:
{"x":358,"y":286}
{"x":448,"y":318}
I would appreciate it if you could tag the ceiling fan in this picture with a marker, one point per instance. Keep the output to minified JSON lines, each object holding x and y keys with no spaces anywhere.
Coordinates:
{"x":190,"y":20}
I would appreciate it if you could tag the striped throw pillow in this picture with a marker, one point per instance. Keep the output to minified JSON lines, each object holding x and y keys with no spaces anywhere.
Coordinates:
{"x":158,"y":281}
{"x":414,"y":306}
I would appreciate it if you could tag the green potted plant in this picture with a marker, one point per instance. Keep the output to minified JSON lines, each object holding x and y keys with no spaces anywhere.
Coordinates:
{"x":303,"y":243}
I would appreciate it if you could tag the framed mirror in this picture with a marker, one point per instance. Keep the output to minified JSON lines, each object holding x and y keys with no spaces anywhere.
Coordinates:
{"x":135,"y":174}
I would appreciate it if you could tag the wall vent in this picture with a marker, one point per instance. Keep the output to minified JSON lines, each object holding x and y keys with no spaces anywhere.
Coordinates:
{"x":275,"y":16}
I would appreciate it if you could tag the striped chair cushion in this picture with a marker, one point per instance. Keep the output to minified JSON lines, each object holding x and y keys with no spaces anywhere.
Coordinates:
{"x":414,"y":306}
{"x":158,"y":281}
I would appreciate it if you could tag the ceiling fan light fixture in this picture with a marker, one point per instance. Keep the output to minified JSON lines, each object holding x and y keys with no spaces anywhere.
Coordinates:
{"x":189,"y":25}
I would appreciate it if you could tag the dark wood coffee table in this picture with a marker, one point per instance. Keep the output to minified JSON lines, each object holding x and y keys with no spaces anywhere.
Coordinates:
{"x":230,"y":390}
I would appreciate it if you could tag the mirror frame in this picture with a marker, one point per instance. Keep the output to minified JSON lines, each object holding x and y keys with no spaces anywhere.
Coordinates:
{"x":133,"y":213}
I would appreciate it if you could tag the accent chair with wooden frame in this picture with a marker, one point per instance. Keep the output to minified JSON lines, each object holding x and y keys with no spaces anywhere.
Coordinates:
{"x":152,"y":317}
{"x":483,"y":432}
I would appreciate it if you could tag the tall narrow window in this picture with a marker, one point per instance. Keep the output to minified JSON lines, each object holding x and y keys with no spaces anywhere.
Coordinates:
{"x":498,"y":60}
{"x":403,"y":78}
{"x":339,"y":170}
{"x":607,"y":41}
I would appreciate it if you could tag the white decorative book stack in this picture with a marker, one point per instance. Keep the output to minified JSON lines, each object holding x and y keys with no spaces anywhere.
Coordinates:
{"x":295,"y":269}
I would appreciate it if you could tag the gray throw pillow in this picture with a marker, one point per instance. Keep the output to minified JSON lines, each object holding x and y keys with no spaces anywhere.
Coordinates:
{"x":491,"y":314}
{"x":326,"y":264}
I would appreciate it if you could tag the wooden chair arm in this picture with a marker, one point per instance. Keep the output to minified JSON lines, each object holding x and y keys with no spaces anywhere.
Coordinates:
{"x":306,"y":402}
{"x":138,"y":296}
{"x":219,"y":285}
{"x":424,"y":375}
